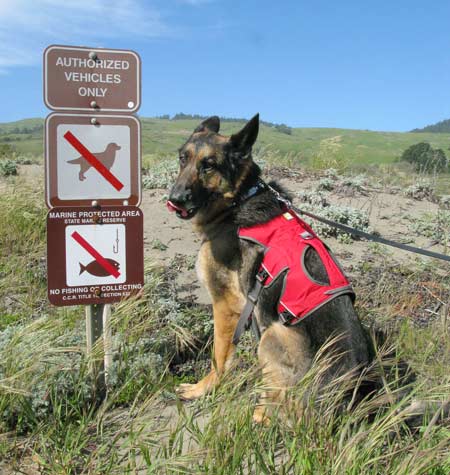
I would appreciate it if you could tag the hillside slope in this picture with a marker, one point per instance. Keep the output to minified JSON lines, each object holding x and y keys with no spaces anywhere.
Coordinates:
{"x":163,"y":136}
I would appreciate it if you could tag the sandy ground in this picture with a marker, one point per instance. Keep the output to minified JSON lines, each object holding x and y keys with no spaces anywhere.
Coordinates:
{"x":390,"y":214}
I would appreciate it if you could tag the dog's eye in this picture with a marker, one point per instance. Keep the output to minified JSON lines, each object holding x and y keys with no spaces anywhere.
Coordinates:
{"x":208,"y":164}
{"x":183,"y":160}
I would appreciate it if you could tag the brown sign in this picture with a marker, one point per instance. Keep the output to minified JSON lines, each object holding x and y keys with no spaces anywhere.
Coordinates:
{"x":94,"y":255}
{"x":92,"y":158}
{"x":91,"y":79}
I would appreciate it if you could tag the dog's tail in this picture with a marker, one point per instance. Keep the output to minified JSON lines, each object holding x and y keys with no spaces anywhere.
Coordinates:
{"x":420,"y":412}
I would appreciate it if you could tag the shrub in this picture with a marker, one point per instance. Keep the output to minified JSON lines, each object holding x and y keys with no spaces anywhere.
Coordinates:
{"x":6,"y":150}
{"x":317,"y":199}
{"x":316,"y":203}
{"x":284,"y":129}
{"x":160,"y":175}
{"x":445,"y":201}
{"x":354,"y":183}
{"x":344,"y":215}
{"x":435,"y":226}
{"x":8,"y":167}
{"x":350,"y":185}
{"x":425,"y":159}
{"x":326,"y":184}
{"x":421,"y":190}
{"x":331,"y":173}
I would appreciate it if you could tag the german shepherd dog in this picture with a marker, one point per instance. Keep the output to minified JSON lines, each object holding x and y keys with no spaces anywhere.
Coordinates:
{"x":216,"y":174}
{"x":215,"y":188}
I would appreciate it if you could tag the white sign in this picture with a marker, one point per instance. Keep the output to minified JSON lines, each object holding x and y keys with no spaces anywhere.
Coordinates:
{"x":110,"y":144}
{"x":87,"y":249}
{"x":92,"y":159}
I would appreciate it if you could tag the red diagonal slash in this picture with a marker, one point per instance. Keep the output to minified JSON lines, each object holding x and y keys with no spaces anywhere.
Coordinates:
{"x":93,"y":160}
{"x":95,"y":254}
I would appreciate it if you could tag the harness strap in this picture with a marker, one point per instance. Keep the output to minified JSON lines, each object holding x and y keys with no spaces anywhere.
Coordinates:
{"x":245,"y":320}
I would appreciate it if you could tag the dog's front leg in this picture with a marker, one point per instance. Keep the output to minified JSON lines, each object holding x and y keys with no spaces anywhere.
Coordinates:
{"x":226,"y":311}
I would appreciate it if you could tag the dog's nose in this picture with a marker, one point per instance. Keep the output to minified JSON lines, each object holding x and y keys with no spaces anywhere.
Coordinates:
{"x":180,"y":196}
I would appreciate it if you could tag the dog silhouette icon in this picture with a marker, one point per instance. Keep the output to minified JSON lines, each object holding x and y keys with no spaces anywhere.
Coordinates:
{"x":107,"y":158}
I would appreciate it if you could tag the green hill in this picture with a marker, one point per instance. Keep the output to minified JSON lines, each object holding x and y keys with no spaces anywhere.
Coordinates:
{"x":442,"y":127}
{"x":163,"y":136}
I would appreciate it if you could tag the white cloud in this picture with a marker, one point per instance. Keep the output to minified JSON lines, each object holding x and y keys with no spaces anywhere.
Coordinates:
{"x":28,"y":26}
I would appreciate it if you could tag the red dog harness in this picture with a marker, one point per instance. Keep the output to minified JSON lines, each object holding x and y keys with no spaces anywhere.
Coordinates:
{"x":286,"y":239}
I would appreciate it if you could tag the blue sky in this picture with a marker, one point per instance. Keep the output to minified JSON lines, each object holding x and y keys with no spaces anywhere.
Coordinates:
{"x":380,"y":65}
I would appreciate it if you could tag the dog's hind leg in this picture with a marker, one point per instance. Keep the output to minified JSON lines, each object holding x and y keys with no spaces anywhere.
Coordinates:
{"x":285,"y":357}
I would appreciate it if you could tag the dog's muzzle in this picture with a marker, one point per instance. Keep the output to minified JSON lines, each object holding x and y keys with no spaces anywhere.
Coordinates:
{"x":181,"y":212}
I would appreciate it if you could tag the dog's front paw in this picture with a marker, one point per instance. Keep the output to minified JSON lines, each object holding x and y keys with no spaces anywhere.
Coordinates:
{"x":188,"y":392}
{"x":261,"y":416}
{"x":194,"y":391}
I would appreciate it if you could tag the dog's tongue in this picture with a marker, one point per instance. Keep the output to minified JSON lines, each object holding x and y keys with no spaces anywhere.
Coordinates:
{"x":173,"y":207}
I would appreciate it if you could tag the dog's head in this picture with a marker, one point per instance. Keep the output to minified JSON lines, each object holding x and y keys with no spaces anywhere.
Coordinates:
{"x":113,"y":146}
{"x":212,"y":168}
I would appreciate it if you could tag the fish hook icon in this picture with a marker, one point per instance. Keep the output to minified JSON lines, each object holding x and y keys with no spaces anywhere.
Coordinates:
{"x":116,"y":246}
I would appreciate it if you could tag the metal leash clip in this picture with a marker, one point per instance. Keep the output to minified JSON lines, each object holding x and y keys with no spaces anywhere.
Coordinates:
{"x":283,"y":200}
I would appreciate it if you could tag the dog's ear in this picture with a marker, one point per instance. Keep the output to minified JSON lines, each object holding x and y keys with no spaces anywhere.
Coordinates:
{"x":212,"y":124}
{"x":246,"y":137}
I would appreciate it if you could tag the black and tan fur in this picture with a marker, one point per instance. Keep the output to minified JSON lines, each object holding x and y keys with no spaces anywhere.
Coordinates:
{"x":215,"y":171}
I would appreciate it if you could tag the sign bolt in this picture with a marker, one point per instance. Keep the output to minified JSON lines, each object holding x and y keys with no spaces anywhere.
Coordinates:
{"x":125,"y":202}
{"x":94,"y":104}
{"x":94,"y":121}
{"x":94,"y":203}
{"x":93,"y":55}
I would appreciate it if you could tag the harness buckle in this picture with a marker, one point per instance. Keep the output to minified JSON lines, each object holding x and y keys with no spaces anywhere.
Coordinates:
{"x":262,"y":275}
{"x":285,"y":317}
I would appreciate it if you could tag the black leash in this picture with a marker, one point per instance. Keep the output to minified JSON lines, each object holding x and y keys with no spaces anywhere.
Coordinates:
{"x":361,"y":234}
{"x":373,"y":237}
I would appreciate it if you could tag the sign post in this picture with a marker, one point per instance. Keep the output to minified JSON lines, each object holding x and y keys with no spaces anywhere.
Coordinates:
{"x":93,"y":186}
{"x":94,"y":331}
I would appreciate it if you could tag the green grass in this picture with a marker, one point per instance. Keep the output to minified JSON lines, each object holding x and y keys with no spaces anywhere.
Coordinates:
{"x":320,"y":147}
{"x":52,"y":420}
{"x":22,"y":252}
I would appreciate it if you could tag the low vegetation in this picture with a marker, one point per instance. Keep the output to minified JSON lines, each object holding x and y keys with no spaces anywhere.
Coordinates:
{"x":8,"y":167}
{"x":435,"y":226}
{"x":53,"y":421}
{"x":316,"y":202}
{"x":421,"y":190}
